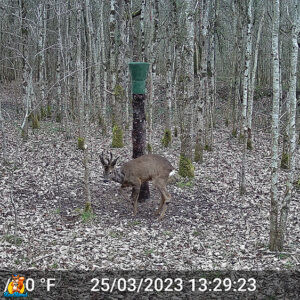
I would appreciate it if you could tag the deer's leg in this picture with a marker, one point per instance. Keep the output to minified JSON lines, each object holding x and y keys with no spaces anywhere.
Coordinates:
{"x":161,"y":183}
{"x":160,"y":204}
{"x":135,"y":195}
{"x":167,"y":198}
{"x":157,"y":182}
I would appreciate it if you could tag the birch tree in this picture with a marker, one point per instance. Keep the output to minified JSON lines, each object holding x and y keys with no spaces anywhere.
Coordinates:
{"x":112,"y":52}
{"x":41,"y":50}
{"x":27,"y":71}
{"x":237,"y":57}
{"x":252,"y":83}
{"x":245,"y":95}
{"x":2,"y":131}
{"x":142,"y":22}
{"x":89,"y":33}
{"x":275,"y":130}
{"x":79,"y":69}
{"x":59,"y":102}
{"x":104,"y":61}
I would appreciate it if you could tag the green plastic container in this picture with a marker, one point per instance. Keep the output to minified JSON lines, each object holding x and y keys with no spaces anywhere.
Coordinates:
{"x":138,"y":71}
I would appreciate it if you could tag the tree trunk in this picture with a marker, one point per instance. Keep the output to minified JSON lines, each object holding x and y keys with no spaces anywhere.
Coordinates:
{"x":153,"y":52}
{"x":112,"y":55}
{"x":89,"y":58}
{"x":139,"y":136}
{"x":252,"y":84}
{"x":105,"y":69}
{"x":275,"y":130}
{"x":27,"y":73}
{"x":167,"y":137}
{"x":79,"y":68}
{"x":142,"y":22}
{"x":245,"y":96}
{"x":41,"y":48}
{"x":3,"y":139}
{"x":202,"y":101}
{"x":60,"y":102}
{"x":291,"y":127}
{"x":186,"y":168}
{"x":237,"y":68}
{"x":119,"y":89}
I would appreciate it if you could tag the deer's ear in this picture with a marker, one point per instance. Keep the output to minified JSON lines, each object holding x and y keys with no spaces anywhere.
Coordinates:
{"x":114,"y":162}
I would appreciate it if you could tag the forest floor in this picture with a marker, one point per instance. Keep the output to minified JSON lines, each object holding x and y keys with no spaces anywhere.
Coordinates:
{"x":207,"y":226}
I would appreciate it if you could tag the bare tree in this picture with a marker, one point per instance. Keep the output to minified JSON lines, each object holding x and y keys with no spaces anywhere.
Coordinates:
{"x":201,"y":104}
{"x":245,"y":95}
{"x":79,"y":69}
{"x":2,"y":130}
{"x":186,"y":169}
{"x":153,"y":58}
{"x":275,"y":129}
{"x":104,"y":61}
{"x":27,"y":71}
{"x":282,"y":227}
{"x":252,"y":82}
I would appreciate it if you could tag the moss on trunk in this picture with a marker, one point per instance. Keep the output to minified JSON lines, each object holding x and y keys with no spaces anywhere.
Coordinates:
{"x":117,"y":141}
{"x":167,"y":139}
{"x":80,"y":143}
{"x":186,"y":168}
{"x":35,"y":122}
{"x":284,"y":163}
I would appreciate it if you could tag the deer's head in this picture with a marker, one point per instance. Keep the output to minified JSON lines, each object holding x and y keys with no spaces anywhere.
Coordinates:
{"x":109,"y":171}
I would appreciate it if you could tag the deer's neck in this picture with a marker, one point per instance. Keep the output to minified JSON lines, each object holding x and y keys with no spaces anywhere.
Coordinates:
{"x":118,"y":176}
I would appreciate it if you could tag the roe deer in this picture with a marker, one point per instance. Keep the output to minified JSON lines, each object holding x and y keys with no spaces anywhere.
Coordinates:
{"x":134,"y":172}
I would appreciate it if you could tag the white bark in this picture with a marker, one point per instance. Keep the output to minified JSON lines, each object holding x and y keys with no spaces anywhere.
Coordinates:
{"x":245,"y":96}
{"x":237,"y":58}
{"x":69,"y":79}
{"x":142,"y":22}
{"x":60,"y":104}
{"x":41,"y":48}
{"x":169,"y":85}
{"x":97,"y":63}
{"x":27,"y":70}
{"x":80,"y":96}
{"x":275,"y":129}
{"x":4,"y":147}
{"x":104,"y":63}
{"x":247,"y":67}
{"x":128,"y":9}
{"x":252,"y":79}
{"x":112,"y":27}
{"x":89,"y":55}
